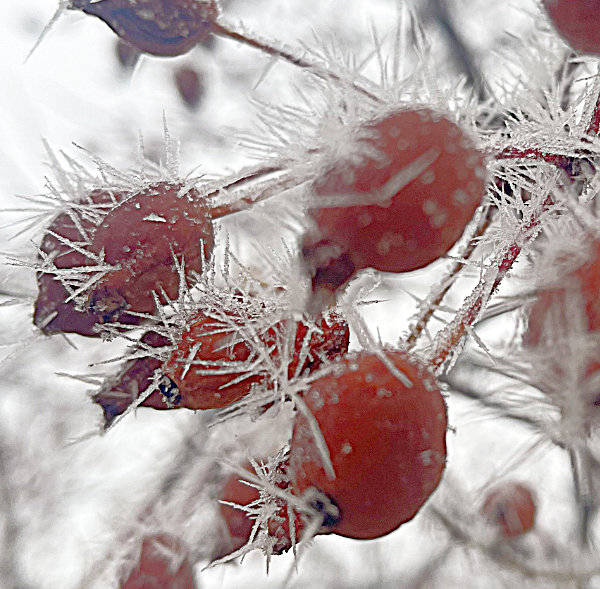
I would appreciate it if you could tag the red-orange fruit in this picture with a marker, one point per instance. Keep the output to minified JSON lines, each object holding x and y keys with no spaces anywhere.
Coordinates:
{"x":413,"y":186}
{"x":558,"y":305}
{"x":511,"y":507}
{"x":159,"y":27}
{"x":386,"y":442}
{"x":213,"y":345}
{"x":162,"y":565}
{"x":240,"y":524}
{"x":578,"y":21}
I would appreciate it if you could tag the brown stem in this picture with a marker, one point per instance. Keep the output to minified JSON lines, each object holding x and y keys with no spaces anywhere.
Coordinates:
{"x":227,"y":31}
{"x":424,"y":315}
{"x":449,"y":337}
{"x":257,"y":192}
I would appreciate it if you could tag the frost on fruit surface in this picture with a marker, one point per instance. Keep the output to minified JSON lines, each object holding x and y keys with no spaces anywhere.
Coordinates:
{"x":217,"y":412}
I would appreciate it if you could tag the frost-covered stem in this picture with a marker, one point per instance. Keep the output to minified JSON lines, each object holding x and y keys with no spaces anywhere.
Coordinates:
{"x":258,"y":192}
{"x":594,"y":126}
{"x":445,"y":284}
{"x":532,"y":153}
{"x":228,"y":31}
{"x":449,"y":337}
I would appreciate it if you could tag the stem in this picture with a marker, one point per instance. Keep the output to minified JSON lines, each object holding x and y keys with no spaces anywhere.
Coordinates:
{"x":324,"y":72}
{"x":449,"y":336}
{"x":425,"y":314}
{"x":532,"y":153}
{"x":258,"y":192}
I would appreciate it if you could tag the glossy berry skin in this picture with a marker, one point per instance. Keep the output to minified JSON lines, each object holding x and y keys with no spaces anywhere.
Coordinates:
{"x":239,"y":524}
{"x":578,"y":21}
{"x":118,"y":392}
{"x":160,"y":27}
{"x":189,"y":83}
{"x":216,"y":344}
{"x":511,"y":508}
{"x":162,"y":565}
{"x":412,"y":224}
{"x":387,"y":443}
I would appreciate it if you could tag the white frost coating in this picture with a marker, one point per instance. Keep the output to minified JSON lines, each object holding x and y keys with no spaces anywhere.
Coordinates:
{"x":154,"y":217}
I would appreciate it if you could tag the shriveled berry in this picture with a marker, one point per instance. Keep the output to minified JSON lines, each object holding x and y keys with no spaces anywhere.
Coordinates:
{"x":159,"y":27}
{"x":386,"y":440}
{"x":120,"y":391}
{"x":140,"y":235}
{"x":399,"y":204}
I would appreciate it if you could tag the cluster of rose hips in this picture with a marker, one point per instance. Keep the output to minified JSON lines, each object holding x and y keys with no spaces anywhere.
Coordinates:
{"x":368,"y":444}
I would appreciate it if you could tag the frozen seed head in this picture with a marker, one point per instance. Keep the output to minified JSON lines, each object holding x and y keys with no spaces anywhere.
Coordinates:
{"x":400,"y":202}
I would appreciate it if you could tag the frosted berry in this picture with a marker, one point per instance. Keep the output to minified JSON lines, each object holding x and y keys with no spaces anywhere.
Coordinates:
{"x":414,"y":184}
{"x":511,"y":508}
{"x":159,"y":27}
{"x":240,"y":523}
{"x":578,"y":21}
{"x":386,"y":440}
{"x":209,"y":344}
{"x":138,"y":234}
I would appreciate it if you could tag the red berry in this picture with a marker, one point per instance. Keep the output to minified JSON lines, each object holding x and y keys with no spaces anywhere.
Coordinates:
{"x":162,"y":565}
{"x":556,"y":309}
{"x":240,"y":523}
{"x":55,"y":311}
{"x":136,"y":233}
{"x":386,"y":440}
{"x":190,"y":86}
{"x":140,"y":236}
{"x":211,"y":343}
{"x":511,"y":507}
{"x":578,"y":21}
{"x":159,"y":27}
{"x":411,"y":189}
